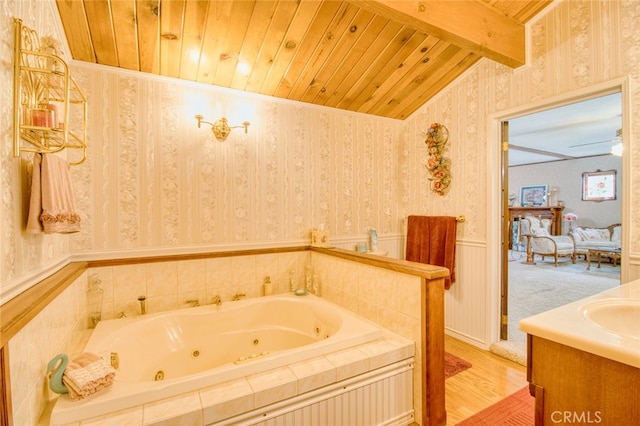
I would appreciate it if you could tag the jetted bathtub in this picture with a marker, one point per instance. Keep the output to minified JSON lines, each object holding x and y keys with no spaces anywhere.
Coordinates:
{"x":169,"y":353}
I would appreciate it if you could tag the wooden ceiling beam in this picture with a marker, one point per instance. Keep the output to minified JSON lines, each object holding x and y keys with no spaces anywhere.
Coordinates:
{"x":541,"y":152}
{"x":468,"y":24}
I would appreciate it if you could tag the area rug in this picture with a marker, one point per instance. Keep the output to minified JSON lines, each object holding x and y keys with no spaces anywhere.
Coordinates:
{"x":454,"y":365}
{"x":537,"y":288}
{"x":515,"y":410}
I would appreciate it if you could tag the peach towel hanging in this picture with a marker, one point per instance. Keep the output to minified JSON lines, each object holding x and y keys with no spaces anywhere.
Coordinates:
{"x":52,"y":205}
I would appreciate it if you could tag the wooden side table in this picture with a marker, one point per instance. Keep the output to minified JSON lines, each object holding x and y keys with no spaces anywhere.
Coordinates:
{"x":613,"y":254}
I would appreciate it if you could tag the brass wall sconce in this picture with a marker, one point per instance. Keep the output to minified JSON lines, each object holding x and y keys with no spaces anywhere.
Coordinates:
{"x":221,"y":128}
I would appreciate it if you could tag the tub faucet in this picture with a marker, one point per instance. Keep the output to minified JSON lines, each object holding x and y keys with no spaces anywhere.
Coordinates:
{"x":143,"y":305}
{"x":239,"y":296}
{"x":193,"y":302}
{"x":114,"y":360}
{"x":217,"y":300}
{"x":94,"y":319}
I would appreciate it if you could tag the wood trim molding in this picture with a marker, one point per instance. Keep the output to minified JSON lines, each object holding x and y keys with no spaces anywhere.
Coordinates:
{"x":430,"y":272}
{"x":17,"y":312}
{"x":190,"y":256}
{"x":5,"y":389}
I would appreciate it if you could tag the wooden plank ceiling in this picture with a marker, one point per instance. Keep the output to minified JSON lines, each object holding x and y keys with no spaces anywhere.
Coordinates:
{"x":385,"y":58}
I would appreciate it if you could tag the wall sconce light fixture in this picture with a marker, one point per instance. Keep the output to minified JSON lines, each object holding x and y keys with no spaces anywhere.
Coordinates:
{"x":221,"y":128}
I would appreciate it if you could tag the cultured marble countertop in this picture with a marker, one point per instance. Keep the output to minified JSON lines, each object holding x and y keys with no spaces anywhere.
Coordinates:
{"x":569,"y":326}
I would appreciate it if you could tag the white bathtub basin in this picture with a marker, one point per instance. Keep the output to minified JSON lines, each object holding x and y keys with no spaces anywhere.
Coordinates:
{"x":201,"y":347}
{"x":618,"y":316}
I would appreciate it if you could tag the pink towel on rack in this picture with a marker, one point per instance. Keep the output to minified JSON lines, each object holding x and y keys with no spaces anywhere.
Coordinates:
{"x":432,"y":240}
{"x":52,"y":207}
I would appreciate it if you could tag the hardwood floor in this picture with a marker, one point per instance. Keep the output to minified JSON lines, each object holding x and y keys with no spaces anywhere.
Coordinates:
{"x":490,"y":379}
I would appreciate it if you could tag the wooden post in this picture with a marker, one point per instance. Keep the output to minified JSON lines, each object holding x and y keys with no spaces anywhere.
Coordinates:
{"x":5,"y":387}
{"x":432,"y":336}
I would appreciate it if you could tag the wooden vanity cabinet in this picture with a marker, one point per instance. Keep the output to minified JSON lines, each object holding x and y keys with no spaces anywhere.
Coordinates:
{"x":576,"y":387}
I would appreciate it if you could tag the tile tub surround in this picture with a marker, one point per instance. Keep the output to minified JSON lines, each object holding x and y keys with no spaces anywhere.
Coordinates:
{"x":279,"y":260}
{"x":169,"y":284}
{"x":263,"y":390}
{"x":401,"y":296}
{"x":60,"y":302}
{"x":61,"y":327}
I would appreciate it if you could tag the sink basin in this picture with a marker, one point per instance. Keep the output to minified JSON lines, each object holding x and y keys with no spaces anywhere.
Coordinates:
{"x":618,"y":316}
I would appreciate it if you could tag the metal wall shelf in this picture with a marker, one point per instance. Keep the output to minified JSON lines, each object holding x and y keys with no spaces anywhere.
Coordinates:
{"x":49,"y":109}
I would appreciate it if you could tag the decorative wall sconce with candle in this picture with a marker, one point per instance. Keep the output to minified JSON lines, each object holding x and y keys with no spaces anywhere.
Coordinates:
{"x":221,"y":128}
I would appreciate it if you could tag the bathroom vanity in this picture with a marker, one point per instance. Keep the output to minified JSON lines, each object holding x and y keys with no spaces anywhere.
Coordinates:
{"x":583,"y":360}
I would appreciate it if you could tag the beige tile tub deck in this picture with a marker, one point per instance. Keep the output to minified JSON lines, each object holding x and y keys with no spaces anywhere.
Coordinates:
{"x":231,"y":398}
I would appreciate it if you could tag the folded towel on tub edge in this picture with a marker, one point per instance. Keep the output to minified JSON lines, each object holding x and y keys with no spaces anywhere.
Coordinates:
{"x":86,"y":375}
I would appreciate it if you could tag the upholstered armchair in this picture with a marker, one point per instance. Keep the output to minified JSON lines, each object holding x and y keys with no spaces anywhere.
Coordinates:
{"x":542,"y":243}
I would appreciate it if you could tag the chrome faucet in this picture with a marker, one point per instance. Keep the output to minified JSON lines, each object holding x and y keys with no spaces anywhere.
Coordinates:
{"x":143,"y":305}
{"x":239,"y":296}
{"x":217,"y":300}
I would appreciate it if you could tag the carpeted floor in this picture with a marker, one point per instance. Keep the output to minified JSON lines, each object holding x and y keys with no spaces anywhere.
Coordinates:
{"x":515,"y":410}
{"x":454,"y":365}
{"x":538,"y":288}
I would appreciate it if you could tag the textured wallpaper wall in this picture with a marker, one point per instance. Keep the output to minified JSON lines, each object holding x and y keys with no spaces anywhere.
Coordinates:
{"x":22,"y":255}
{"x":153,"y":179}
{"x":575,"y":45}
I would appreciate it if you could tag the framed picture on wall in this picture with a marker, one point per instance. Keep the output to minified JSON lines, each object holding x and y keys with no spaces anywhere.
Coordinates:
{"x":599,"y":185}
{"x":533,"y":195}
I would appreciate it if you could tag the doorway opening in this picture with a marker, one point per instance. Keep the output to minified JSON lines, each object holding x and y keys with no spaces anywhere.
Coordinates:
{"x":544,"y":155}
